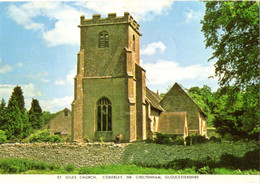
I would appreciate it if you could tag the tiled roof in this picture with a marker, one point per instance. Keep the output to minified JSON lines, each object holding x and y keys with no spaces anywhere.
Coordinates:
{"x":154,"y":99}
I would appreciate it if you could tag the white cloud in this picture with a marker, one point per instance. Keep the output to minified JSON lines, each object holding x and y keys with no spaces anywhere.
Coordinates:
{"x":71,"y":75}
{"x":0,"y":60}
{"x":40,"y":76}
{"x":29,"y":90}
{"x":163,"y":72}
{"x":69,"y":79}
{"x":190,"y":15}
{"x":65,"y":30}
{"x":56,"y":104}
{"x":151,"y":48}
{"x":59,"y":82}
{"x":5,"y":68}
{"x":66,"y":16}
{"x":20,"y":64}
{"x":140,"y":10}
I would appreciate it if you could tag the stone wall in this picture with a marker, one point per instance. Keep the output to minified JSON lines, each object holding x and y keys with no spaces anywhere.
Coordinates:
{"x":140,"y":153}
{"x":91,"y":154}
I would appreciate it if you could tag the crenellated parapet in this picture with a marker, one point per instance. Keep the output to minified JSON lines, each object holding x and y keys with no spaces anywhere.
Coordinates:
{"x":111,"y":19}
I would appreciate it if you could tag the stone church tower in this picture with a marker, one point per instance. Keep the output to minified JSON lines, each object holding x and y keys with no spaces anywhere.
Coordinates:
{"x":110,"y":89}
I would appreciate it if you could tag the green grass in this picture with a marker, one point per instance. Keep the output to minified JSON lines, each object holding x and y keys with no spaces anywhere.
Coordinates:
{"x":24,"y":166}
{"x":133,"y":169}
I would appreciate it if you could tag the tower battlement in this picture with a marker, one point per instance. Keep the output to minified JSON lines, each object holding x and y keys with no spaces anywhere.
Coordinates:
{"x":110,"y":19}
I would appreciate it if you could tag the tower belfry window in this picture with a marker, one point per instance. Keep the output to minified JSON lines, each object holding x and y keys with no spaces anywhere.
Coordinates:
{"x":104,"y":115}
{"x":103,"y":41}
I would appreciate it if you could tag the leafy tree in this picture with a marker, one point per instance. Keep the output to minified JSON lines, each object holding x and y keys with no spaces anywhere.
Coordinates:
{"x":204,"y":98}
{"x":237,"y":116}
{"x":35,"y":114}
{"x":231,"y":29}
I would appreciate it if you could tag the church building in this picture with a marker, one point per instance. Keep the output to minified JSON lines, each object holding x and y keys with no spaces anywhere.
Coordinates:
{"x":110,"y":92}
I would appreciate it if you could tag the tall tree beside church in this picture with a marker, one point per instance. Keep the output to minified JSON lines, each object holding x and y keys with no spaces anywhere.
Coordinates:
{"x":15,"y":120}
{"x":35,"y":114}
{"x":17,"y":95}
{"x":2,"y":108}
{"x":2,"y":105}
{"x":231,"y":29}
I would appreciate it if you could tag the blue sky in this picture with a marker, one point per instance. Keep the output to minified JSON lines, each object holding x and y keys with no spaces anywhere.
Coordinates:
{"x":39,"y":42}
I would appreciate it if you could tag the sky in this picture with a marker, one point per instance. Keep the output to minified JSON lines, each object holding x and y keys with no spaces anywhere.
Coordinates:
{"x":39,"y":42}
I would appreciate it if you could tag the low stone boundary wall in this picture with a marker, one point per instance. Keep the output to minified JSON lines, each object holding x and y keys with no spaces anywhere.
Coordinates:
{"x":140,"y":153}
{"x":90,"y":154}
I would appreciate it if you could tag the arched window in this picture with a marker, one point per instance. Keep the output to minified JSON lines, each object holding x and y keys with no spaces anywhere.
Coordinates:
{"x":104,"y":115}
{"x":103,"y":40}
{"x":133,"y":43}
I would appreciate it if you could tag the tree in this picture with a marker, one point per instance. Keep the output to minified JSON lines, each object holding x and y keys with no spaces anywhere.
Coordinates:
{"x":231,"y":29}
{"x":35,"y":114}
{"x":14,"y":119}
{"x":2,"y":111}
{"x":204,"y":98}
{"x":17,"y":95}
{"x":2,"y":105}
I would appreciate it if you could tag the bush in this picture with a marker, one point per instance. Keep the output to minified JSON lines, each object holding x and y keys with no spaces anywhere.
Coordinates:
{"x":15,"y":166}
{"x":69,"y":168}
{"x":229,"y":160}
{"x":178,"y":141}
{"x":214,"y":139}
{"x":85,"y":170}
{"x":69,"y":138}
{"x":44,"y":136}
{"x":206,"y":170}
{"x":195,"y":139}
{"x":2,"y":137}
{"x":230,"y":137}
{"x":250,"y":160}
{"x":163,"y":138}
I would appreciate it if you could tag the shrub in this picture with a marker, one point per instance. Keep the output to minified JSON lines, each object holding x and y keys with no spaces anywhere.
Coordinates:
{"x":214,"y":139}
{"x":2,"y":137}
{"x":178,"y":141}
{"x":250,"y":160}
{"x":230,"y":137}
{"x":85,"y":170}
{"x":44,"y":136}
{"x":195,"y":139}
{"x":198,"y":139}
{"x":188,"y":140}
{"x":179,"y":164}
{"x":206,"y":170}
{"x":15,"y":166}
{"x":229,"y":160}
{"x":69,"y":138}
{"x":37,"y":165}
{"x":163,"y":138}
{"x":69,"y":168}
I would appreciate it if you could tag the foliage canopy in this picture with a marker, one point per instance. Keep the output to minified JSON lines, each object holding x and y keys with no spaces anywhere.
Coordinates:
{"x":231,"y":29}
